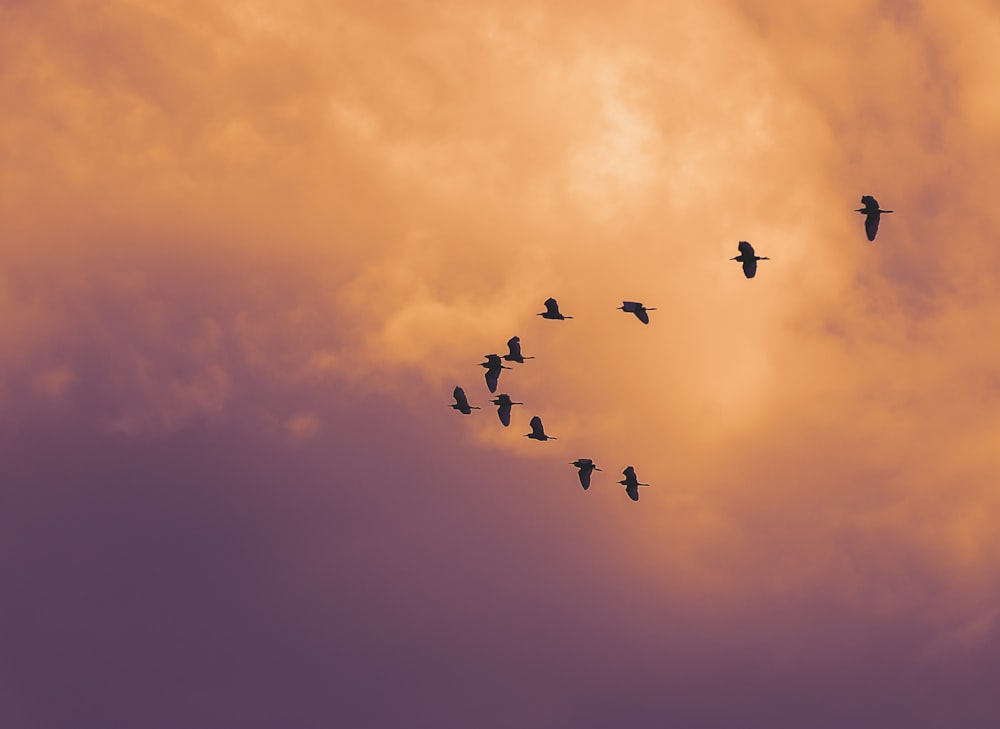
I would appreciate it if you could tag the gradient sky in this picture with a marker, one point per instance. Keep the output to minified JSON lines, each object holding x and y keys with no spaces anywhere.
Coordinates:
{"x":248,"y":248}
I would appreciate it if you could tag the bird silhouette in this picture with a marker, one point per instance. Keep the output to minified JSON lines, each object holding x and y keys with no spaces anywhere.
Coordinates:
{"x":514,"y":355}
{"x":586,"y":468}
{"x":872,"y":215}
{"x":631,"y":483}
{"x":462,"y":402}
{"x":537,"y":432}
{"x":552,"y":310}
{"x":749,"y":259}
{"x":493,"y":366}
{"x":503,"y":403}
{"x":636,"y":307}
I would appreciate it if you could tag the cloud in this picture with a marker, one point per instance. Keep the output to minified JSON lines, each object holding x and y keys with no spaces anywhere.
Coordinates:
{"x":309,"y":222}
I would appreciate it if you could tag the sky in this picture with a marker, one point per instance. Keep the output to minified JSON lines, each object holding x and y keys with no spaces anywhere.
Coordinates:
{"x":248,"y":248}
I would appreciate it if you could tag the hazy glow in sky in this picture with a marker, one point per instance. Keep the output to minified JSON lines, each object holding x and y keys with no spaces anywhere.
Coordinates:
{"x":247,"y":249}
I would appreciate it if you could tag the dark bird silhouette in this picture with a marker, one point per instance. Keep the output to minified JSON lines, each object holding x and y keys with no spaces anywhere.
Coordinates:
{"x":462,"y":402}
{"x":631,"y":483}
{"x":872,"y":215}
{"x":636,"y":307}
{"x":552,"y":310}
{"x":503,"y":403}
{"x":749,"y":259}
{"x":537,"y":432}
{"x":493,"y":366}
{"x":514,"y":355}
{"x":586,"y":467}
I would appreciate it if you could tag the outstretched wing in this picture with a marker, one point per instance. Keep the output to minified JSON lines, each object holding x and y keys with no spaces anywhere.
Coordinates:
{"x":514,"y":345}
{"x":551,"y":306}
{"x":869,"y":202}
{"x":633,"y":491}
{"x":871,"y":225}
{"x":460,"y":399}
{"x":492,"y":377}
{"x":536,"y":426}
{"x":745,"y":248}
{"x":631,"y":306}
{"x":750,"y":267}
{"x":642,"y":315}
{"x":585,"y":477}
{"x":504,"y":413}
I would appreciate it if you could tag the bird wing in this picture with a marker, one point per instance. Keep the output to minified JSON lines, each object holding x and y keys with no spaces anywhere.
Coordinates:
{"x":514,"y":346}
{"x":745,"y":248}
{"x":629,"y":472}
{"x":750,"y":267}
{"x":871,"y":225}
{"x":492,"y":377}
{"x":536,"y":426}
{"x":630,"y":306}
{"x":869,"y":202}
{"x":585,"y":478}
{"x":460,"y":399}
{"x":633,"y":491}
{"x":551,"y":306}
{"x":642,"y":315}
{"x":504,"y":414}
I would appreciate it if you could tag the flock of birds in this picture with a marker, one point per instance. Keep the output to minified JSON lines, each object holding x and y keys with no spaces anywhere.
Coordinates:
{"x":494,"y":363}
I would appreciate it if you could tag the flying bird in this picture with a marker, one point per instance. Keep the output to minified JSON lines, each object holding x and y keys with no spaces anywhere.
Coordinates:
{"x":537,"y":432}
{"x":586,"y":468}
{"x":462,"y":402}
{"x":636,"y":307}
{"x":503,"y":403}
{"x":514,"y":355}
{"x":631,"y":483}
{"x":749,"y":259}
{"x":493,"y":366}
{"x":872,"y":215}
{"x":552,"y":310}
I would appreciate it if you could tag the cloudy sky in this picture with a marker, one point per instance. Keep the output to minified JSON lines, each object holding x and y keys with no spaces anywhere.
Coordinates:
{"x":247,"y":249}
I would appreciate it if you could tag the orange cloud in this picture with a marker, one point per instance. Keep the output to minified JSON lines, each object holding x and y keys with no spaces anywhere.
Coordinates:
{"x":312,"y":196}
